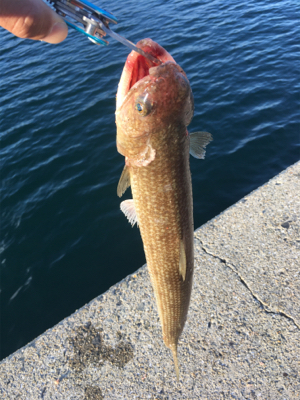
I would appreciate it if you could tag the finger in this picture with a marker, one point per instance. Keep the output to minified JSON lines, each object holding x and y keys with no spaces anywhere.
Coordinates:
{"x":32,"y":19}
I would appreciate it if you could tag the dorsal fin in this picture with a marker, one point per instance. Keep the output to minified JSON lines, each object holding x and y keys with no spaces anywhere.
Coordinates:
{"x":128,"y":208}
{"x":198,"y":142}
{"x":182,"y":260}
{"x":124,"y":181}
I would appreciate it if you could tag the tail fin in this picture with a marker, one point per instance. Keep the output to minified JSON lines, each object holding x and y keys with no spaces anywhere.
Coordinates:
{"x":174,"y":351}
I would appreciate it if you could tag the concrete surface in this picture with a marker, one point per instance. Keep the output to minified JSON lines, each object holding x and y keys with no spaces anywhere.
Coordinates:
{"x":242,"y":337}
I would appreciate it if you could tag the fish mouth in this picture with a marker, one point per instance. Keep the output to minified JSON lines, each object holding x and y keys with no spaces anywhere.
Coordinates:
{"x":137,"y":66}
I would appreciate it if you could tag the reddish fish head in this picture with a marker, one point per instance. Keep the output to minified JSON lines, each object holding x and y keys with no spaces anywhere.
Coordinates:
{"x":151,"y":100}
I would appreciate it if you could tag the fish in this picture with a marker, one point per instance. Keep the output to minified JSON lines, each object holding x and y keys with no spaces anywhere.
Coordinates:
{"x":155,"y":105}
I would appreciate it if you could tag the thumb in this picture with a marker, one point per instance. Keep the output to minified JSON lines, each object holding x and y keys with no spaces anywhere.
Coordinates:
{"x":32,"y":19}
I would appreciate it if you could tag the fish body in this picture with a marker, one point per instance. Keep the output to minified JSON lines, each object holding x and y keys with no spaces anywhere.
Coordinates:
{"x":152,"y":115}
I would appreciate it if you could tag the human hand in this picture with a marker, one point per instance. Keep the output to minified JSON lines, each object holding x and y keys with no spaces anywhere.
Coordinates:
{"x":32,"y":19}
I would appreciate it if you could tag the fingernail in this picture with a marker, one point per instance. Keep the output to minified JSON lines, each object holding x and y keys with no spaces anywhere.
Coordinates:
{"x":57,"y":34}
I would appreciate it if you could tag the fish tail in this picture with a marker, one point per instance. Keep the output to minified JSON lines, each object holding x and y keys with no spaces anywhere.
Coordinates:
{"x":174,"y":352}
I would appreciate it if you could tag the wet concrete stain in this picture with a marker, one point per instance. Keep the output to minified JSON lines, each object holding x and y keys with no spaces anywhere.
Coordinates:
{"x":89,"y":348}
{"x":93,"y":393}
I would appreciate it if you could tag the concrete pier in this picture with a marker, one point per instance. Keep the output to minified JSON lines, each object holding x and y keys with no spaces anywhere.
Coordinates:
{"x":241,"y":339}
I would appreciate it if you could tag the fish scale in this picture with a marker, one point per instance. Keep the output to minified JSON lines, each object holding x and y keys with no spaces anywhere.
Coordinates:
{"x":165,"y":216}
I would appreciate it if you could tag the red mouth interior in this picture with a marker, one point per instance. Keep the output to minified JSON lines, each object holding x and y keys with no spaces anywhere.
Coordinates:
{"x":137,"y":66}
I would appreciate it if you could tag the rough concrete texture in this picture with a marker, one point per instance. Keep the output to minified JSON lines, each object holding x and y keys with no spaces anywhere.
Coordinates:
{"x":242,"y":337}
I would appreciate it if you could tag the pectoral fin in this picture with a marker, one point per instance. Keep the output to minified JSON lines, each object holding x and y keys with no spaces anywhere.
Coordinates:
{"x":182,"y":260}
{"x":128,"y":208}
{"x":198,"y":142}
{"x":124,"y":181}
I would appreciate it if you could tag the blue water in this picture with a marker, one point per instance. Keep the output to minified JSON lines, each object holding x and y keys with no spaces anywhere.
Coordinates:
{"x":63,"y":239}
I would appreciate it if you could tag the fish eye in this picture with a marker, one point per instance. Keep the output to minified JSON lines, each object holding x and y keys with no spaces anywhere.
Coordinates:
{"x":143,"y":105}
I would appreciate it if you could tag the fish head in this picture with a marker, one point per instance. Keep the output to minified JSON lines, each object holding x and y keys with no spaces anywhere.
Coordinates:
{"x":151,"y":100}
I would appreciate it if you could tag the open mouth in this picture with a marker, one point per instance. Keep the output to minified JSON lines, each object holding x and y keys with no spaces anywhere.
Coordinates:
{"x":137,"y":66}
